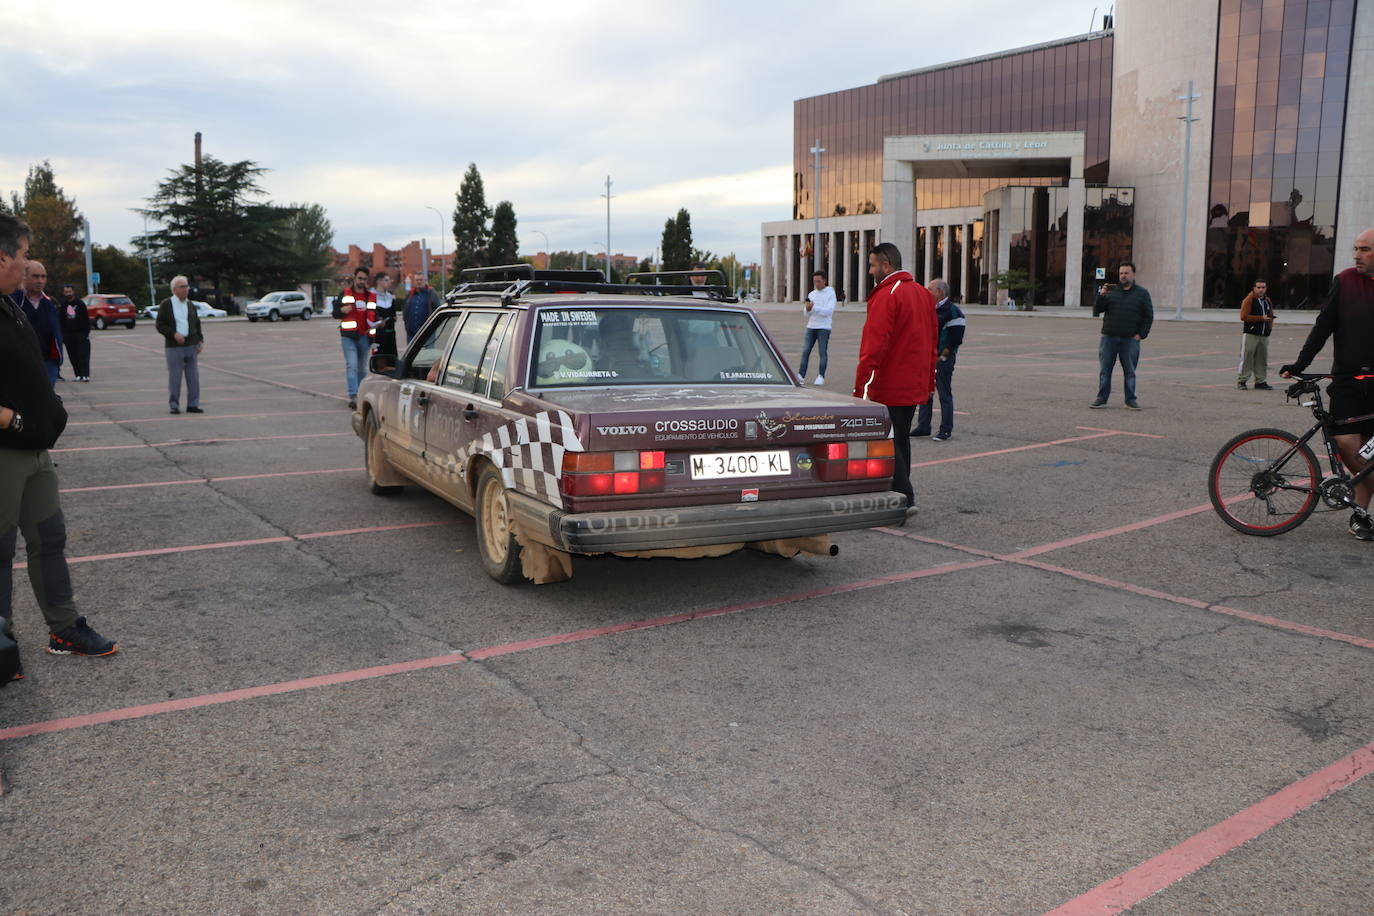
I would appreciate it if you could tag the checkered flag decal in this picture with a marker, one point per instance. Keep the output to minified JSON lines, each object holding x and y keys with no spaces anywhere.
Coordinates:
{"x":528,"y":452}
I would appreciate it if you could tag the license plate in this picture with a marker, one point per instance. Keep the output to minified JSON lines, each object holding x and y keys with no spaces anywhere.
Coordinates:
{"x":720,"y":465}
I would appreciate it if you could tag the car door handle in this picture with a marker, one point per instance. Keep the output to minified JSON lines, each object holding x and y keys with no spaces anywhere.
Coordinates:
{"x":470,"y":412}
{"x":422,"y":398}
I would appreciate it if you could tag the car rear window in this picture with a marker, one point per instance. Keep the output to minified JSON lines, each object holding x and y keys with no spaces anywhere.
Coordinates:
{"x":119,"y":300}
{"x":648,"y":346}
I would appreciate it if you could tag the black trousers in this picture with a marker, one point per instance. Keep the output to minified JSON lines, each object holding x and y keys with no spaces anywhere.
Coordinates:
{"x":79,"y":352}
{"x":901,"y":447}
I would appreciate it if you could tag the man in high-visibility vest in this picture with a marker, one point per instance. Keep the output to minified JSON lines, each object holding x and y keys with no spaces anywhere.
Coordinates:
{"x":352,"y":310}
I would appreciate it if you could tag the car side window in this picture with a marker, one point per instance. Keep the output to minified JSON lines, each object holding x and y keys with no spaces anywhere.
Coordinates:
{"x":461,"y":371}
{"x":493,"y":370}
{"x":432,"y":347}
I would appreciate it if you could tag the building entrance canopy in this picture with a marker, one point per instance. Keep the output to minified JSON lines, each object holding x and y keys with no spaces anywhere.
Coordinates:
{"x":1015,"y":155}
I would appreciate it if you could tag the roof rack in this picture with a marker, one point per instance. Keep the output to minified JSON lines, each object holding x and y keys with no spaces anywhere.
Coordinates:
{"x":513,"y":281}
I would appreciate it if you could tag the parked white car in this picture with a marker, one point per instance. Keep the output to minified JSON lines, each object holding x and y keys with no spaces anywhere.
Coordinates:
{"x":203,"y":309}
{"x":280,"y":305}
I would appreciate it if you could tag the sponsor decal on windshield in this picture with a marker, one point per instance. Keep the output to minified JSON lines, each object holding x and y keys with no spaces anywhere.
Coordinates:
{"x":555,"y":317}
{"x":727,"y":376}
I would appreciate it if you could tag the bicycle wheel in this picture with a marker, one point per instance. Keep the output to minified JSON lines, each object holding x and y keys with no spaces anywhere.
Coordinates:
{"x":1256,"y":489}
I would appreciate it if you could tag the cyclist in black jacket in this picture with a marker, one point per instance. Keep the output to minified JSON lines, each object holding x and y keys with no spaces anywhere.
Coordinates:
{"x":1347,"y":315}
{"x":31,"y":419}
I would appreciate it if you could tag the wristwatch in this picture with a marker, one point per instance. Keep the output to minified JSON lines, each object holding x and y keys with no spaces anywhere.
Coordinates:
{"x":16,"y":422}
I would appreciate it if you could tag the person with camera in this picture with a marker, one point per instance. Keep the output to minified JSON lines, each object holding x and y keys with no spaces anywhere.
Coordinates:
{"x":1127,"y":314}
{"x":31,"y":420}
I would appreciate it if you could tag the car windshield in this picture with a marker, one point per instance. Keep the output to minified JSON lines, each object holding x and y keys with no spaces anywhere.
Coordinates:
{"x":271,"y":297}
{"x":650,"y":345}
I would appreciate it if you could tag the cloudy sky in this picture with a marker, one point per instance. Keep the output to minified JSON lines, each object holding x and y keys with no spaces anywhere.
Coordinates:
{"x":374,"y":110}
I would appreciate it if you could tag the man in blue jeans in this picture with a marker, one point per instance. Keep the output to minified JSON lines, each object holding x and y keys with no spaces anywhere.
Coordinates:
{"x":820,"y":312}
{"x":351,"y":309}
{"x":1127,"y":314}
{"x":950,"y":320}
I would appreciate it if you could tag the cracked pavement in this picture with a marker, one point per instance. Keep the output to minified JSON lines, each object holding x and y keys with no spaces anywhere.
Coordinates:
{"x":988,"y":740}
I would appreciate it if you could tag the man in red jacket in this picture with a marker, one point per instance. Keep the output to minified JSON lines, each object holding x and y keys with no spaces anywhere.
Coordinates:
{"x":897,"y":354}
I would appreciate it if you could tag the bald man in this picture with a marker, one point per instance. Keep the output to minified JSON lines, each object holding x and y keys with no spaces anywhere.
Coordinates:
{"x":42,"y":314}
{"x":1347,"y":316}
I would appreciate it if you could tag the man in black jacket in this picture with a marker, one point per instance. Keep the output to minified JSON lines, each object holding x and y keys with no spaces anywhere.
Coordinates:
{"x":1347,"y":316}
{"x":1127,"y":315}
{"x":31,"y":419}
{"x":41,"y":313}
{"x":76,"y":331}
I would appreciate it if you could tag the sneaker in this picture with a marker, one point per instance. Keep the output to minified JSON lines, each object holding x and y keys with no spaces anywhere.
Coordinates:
{"x":1240,"y":386}
{"x":175,"y":410}
{"x":1098,"y":403}
{"x":1134,"y":405}
{"x":943,"y":437}
{"x":80,"y":639}
{"x":352,"y":405}
{"x":1263,"y":386}
{"x":911,"y":512}
{"x":1361,"y":527}
{"x":194,"y":410}
{"x":920,"y":434}
{"x":820,"y":380}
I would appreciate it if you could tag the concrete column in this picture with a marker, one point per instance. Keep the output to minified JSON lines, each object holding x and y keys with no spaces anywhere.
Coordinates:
{"x":789,"y":279}
{"x":947,"y":233}
{"x":1003,"y":242}
{"x":841,"y":280}
{"x":765,"y":258}
{"x":898,"y":224}
{"x":1073,"y":254}
{"x":929,"y":259}
{"x":970,"y":269}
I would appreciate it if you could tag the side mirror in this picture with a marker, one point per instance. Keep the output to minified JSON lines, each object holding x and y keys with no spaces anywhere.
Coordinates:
{"x":382,"y":364}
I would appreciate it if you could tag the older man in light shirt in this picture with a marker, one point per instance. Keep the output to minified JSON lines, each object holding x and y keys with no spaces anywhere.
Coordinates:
{"x":179,"y":325}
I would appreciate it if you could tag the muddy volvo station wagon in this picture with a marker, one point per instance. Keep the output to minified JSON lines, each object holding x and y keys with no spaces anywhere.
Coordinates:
{"x":656,"y":418}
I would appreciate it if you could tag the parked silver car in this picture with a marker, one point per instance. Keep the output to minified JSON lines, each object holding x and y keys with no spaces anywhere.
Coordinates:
{"x":281,"y":305}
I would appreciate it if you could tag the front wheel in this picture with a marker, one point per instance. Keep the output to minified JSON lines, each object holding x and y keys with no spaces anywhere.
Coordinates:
{"x":375,"y":459}
{"x":274,"y":315}
{"x":495,"y":534}
{"x":252,"y":319}
{"x":1264,"y":483}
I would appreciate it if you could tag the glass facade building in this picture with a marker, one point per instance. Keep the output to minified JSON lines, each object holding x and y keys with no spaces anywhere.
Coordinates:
{"x":1278,"y":127}
{"x":1060,"y":86}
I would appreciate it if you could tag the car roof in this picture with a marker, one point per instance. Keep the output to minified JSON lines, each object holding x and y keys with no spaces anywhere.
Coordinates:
{"x":522,"y":284}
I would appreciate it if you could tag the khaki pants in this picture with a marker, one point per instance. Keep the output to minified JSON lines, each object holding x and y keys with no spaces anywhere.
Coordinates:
{"x":1254,"y":357}
{"x":29,"y":503}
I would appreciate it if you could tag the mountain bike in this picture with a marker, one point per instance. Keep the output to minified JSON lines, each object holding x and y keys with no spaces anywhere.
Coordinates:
{"x":1267,"y":481}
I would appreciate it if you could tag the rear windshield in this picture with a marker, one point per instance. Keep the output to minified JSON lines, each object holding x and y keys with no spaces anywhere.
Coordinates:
{"x":119,"y":300}
{"x":650,"y":346}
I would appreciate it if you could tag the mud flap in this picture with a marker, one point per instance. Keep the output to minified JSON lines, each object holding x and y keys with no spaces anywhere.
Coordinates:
{"x":540,"y":563}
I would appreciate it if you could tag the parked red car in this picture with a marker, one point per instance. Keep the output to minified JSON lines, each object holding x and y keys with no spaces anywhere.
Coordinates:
{"x":106,"y":309}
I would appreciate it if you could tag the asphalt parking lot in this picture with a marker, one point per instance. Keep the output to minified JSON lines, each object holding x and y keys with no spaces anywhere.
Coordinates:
{"x":1065,"y":687}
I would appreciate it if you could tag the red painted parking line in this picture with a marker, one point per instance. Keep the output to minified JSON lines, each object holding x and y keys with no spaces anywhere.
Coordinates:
{"x":345,"y":677}
{"x":110,"y":448}
{"x":163,"y":400}
{"x":1122,"y":432}
{"x":175,"y":483}
{"x":228,"y":696}
{"x":244,"y":375}
{"x":1008,"y":451}
{"x":1149,"y":878}
{"x":168,"y":418}
{"x":1264,"y":619}
{"x":250,"y":542}
{"x":1110,"y":532}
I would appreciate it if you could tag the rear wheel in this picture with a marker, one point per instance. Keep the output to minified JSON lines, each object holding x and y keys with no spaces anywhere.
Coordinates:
{"x":1263,"y":483}
{"x":100,"y":322}
{"x":495,"y":534}
{"x":305,"y":314}
{"x":130,"y":325}
{"x":375,"y":459}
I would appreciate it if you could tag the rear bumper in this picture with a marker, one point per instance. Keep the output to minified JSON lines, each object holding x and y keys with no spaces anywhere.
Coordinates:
{"x":692,"y":526}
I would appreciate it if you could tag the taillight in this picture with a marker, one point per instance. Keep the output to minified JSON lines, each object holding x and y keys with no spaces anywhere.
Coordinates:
{"x":858,"y":460}
{"x":612,"y":473}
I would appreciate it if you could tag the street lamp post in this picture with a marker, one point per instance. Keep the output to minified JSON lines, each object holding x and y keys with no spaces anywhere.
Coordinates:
{"x":443,"y":291}
{"x":547,"y":247}
{"x":148,"y":253}
{"x":816,"y":200}
{"x":1188,"y":120}
{"x":607,"y":195}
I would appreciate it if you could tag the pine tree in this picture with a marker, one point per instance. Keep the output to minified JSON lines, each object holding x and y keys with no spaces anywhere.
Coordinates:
{"x":677,"y":242}
{"x":471,"y":237}
{"x":505,"y":246}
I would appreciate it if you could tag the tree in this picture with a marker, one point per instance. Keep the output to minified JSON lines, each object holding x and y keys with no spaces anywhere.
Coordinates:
{"x":121,"y":272}
{"x":504,"y":246}
{"x":677,"y":242}
{"x":56,"y":225}
{"x":1020,"y":284}
{"x":309,"y":235}
{"x":215,"y":227}
{"x":471,"y":237}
